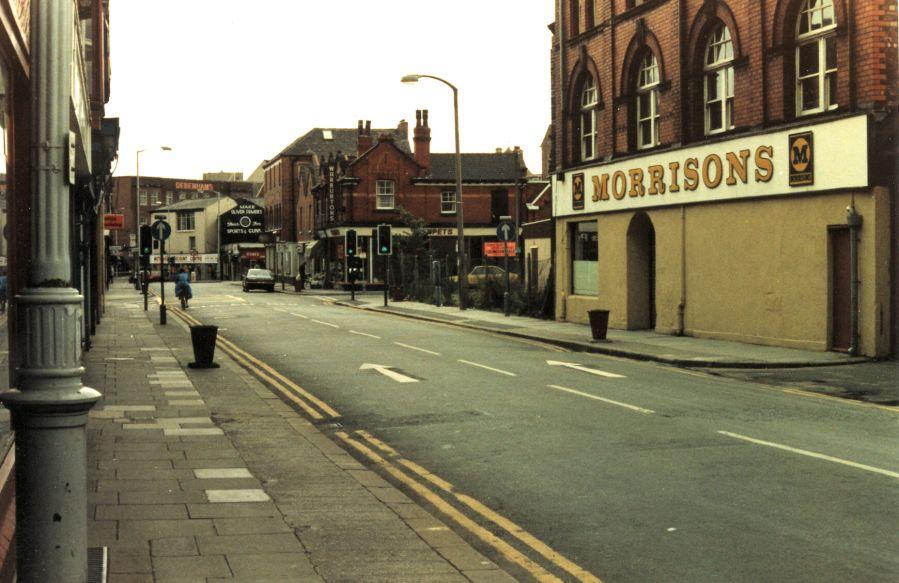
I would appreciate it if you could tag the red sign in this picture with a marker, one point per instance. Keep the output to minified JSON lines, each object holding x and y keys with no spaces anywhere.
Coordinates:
{"x":495,"y":248}
{"x":113,"y":222}
{"x":252,"y":254}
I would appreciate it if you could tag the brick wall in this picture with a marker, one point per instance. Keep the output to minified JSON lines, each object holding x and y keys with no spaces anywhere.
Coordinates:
{"x":675,"y":31}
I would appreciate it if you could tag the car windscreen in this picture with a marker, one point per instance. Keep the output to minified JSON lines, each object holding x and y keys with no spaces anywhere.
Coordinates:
{"x":259,"y":273}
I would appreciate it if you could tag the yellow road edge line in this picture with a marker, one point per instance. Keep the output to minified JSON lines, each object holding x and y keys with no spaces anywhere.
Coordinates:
{"x":236,"y":356}
{"x":504,"y":548}
{"x":277,"y":386}
{"x":318,"y":402}
{"x":221,"y":340}
{"x":518,"y":532}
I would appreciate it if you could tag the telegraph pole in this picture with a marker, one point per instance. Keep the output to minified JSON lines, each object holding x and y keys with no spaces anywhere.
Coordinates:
{"x":50,"y":406}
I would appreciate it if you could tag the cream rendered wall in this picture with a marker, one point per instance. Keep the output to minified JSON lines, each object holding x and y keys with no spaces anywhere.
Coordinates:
{"x":210,"y":217}
{"x":754,"y":271}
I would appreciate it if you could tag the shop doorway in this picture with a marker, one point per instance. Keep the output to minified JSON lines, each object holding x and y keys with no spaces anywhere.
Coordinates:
{"x":641,"y":273}
{"x":840,"y":289}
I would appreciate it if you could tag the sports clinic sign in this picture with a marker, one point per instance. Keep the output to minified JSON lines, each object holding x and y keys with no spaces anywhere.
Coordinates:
{"x":823,"y":156}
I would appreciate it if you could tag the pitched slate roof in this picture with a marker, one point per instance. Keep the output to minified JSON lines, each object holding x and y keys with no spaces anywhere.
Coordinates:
{"x":342,"y":139}
{"x":476,"y":167}
{"x":189,"y":205}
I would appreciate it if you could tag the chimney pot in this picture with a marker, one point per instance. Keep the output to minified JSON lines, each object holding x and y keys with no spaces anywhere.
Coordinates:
{"x":359,"y":128}
{"x":422,"y":139}
{"x":424,"y":117}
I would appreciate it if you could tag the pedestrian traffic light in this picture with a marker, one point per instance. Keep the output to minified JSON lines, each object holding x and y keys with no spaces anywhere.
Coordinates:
{"x":146,"y":240}
{"x":385,"y":242}
{"x":351,"y":243}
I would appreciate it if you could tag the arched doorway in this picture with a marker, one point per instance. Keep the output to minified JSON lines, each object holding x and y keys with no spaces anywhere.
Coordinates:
{"x":641,"y":273}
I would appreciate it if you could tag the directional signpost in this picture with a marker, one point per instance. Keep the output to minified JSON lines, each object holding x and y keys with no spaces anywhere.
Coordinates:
{"x":505,"y":231}
{"x":161,"y":231}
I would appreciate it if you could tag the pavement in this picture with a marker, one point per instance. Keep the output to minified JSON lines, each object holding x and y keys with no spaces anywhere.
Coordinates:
{"x":206,"y":475}
{"x":682,"y":351}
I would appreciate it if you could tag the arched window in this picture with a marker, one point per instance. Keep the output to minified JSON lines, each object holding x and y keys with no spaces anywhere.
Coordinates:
{"x":816,"y":57}
{"x":589,"y":101}
{"x":718,"y":84}
{"x":648,"y":102}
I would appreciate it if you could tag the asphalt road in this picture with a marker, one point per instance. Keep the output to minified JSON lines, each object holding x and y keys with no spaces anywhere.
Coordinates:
{"x":634,"y":471}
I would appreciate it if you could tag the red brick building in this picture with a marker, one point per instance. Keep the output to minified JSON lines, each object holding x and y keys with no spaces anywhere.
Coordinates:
{"x":287,"y":190}
{"x":754,"y":125}
{"x":384,"y":178}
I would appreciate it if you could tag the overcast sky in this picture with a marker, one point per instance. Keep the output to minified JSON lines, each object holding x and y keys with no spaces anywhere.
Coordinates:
{"x":228,"y":83}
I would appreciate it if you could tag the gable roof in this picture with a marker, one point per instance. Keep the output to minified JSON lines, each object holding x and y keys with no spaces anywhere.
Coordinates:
{"x":342,"y":139}
{"x":189,"y":205}
{"x":503,"y":166}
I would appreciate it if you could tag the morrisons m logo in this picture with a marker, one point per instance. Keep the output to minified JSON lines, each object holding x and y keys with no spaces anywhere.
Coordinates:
{"x":802,"y":157}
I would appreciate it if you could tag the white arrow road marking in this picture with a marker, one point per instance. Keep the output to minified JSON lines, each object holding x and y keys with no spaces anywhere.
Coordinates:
{"x":813,"y":454}
{"x":385,"y":370}
{"x":409,"y":346}
{"x":505,"y":372}
{"x":583,"y":368}
{"x":610,"y":401}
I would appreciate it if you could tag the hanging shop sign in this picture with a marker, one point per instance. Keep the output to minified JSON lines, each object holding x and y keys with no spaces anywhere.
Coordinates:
{"x":243,"y":223}
{"x":825,"y":156}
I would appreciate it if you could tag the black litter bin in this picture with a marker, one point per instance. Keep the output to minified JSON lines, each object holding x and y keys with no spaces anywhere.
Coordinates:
{"x":203,"y":339}
{"x":599,"y":324}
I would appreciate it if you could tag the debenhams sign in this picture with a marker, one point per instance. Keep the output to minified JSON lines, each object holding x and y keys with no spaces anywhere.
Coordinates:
{"x":804,"y":159}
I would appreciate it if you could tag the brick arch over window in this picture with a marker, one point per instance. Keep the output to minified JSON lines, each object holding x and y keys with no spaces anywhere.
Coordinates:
{"x":642,"y":43}
{"x":786,"y":19}
{"x":713,"y":14}
{"x":584,"y":70}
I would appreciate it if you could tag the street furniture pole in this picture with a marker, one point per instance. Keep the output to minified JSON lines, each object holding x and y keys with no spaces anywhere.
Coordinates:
{"x":50,"y":404}
{"x":162,"y":308}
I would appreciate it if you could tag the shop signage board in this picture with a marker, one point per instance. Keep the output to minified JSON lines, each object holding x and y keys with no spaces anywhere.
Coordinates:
{"x":187,"y":258}
{"x":825,"y":156}
{"x":495,"y":248}
{"x":113,"y":222}
{"x":243,"y":223}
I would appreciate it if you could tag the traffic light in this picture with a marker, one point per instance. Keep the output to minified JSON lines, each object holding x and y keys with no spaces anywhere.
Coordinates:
{"x":351,"y":243}
{"x":385,"y":242}
{"x":146,"y":240}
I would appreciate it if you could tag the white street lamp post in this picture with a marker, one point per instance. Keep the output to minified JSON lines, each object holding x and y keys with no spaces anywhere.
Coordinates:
{"x":460,"y":222}
{"x":137,"y":203}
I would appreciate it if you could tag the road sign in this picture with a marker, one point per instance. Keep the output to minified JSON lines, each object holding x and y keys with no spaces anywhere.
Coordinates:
{"x":113,"y":222}
{"x":505,"y":232}
{"x":161,"y":230}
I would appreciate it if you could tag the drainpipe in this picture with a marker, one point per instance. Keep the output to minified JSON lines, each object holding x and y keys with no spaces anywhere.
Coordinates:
{"x":682,"y":305}
{"x":854,"y":220}
{"x":49,"y":407}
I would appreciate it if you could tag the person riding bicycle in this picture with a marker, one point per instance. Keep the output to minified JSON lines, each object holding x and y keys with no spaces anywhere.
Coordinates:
{"x":182,"y":287}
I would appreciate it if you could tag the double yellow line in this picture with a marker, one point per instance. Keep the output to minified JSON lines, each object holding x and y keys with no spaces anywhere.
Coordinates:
{"x":319,"y":410}
{"x":506,"y":550}
{"x":309,"y":403}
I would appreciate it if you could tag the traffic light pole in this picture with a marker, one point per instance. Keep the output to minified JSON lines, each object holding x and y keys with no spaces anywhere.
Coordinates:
{"x":386,"y":277}
{"x":162,"y":308}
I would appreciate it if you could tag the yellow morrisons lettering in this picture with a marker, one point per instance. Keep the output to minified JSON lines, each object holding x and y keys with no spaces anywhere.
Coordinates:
{"x":711,"y":172}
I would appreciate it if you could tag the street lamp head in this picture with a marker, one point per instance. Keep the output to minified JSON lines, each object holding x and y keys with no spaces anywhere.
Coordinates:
{"x":165,"y":148}
{"x":410,"y":78}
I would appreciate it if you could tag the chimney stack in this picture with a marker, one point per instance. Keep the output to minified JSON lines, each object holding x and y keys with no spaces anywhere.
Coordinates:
{"x":422,"y":138}
{"x":363,"y":137}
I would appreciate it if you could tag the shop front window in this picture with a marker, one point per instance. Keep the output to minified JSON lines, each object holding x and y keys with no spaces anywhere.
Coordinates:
{"x":584,"y":258}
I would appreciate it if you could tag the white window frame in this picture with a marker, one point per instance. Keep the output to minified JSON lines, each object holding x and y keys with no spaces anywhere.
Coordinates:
{"x":589,"y":101}
{"x":143,"y":198}
{"x":812,"y":30}
{"x":448,"y":202}
{"x":719,"y":70}
{"x":648,"y":84}
{"x":186,"y":221}
{"x":154,"y":198}
{"x":385,"y":195}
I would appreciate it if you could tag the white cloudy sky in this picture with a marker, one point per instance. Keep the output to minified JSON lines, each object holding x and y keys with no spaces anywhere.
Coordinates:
{"x":227,"y":83}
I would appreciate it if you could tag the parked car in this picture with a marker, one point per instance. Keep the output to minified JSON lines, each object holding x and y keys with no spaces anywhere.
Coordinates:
{"x":483,"y":273}
{"x":259,"y":279}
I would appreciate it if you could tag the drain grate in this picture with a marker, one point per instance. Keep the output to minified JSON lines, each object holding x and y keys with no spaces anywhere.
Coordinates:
{"x":97,"y":559}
